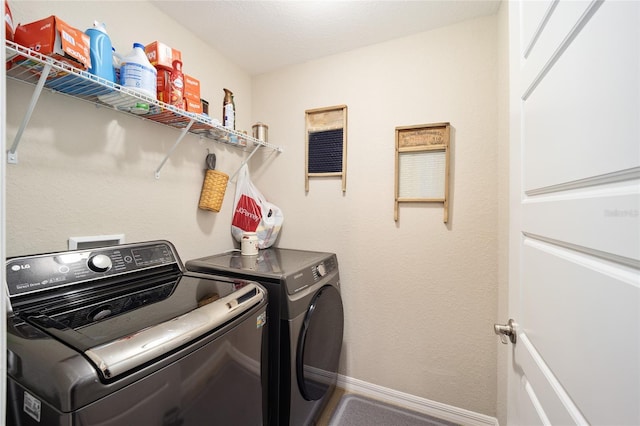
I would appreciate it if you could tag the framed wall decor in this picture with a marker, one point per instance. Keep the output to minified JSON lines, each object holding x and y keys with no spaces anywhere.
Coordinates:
{"x":422,"y":165}
{"x":326,"y":145}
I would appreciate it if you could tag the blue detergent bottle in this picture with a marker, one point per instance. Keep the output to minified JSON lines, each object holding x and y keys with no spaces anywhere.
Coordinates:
{"x":101,"y":52}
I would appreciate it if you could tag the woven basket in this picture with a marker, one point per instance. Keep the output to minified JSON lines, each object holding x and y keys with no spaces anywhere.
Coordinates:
{"x":213,"y":189}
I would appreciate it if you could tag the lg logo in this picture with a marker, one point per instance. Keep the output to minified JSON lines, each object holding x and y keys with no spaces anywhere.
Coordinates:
{"x":16,"y":268}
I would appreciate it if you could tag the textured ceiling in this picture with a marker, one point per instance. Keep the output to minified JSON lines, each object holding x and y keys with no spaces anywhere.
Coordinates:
{"x":262,"y":36}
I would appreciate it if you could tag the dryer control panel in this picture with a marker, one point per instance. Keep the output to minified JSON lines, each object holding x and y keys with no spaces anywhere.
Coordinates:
{"x":323,"y":269}
{"x":312,"y":275}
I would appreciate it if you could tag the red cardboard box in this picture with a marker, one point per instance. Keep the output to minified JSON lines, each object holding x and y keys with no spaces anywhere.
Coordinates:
{"x":191,"y":88}
{"x":193,"y":105}
{"x":161,"y":55}
{"x":192,"y":99}
{"x":53,"y":37}
{"x":192,"y":94}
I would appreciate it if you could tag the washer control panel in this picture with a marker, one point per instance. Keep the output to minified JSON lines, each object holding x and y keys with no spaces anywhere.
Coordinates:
{"x":30,"y":274}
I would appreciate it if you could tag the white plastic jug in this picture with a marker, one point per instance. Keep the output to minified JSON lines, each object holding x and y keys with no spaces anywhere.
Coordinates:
{"x":137,"y":73}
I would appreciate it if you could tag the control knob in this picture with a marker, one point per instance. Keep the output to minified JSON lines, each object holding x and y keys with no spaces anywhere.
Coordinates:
{"x":322,"y":270}
{"x":99,"y":263}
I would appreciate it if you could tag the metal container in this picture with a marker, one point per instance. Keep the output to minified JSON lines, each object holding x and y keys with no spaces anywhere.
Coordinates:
{"x":261,"y":132}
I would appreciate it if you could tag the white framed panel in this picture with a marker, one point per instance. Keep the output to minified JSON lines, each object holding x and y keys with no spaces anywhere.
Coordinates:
{"x":541,"y":401}
{"x":564,"y":21}
{"x":572,"y":216}
{"x":422,"y":165}
{"x":422,"y":175}
{"x":582,"y":334}
{"x":588,"y":126}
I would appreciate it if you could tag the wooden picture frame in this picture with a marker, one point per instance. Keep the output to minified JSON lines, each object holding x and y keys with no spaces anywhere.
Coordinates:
{"x":326,"y":143}
{"x":422,"y":165}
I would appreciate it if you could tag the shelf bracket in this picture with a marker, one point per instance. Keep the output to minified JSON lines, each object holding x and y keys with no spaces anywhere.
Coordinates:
{"x":12,"y":155}
{"x":175,"y":145}
{"x":245,"y":161}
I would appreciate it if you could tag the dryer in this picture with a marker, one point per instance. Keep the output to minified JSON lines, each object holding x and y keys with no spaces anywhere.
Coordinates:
{"x":304,"y":349}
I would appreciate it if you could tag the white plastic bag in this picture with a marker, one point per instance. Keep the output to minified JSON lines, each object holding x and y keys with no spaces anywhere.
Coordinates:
{"x":253,"y":213}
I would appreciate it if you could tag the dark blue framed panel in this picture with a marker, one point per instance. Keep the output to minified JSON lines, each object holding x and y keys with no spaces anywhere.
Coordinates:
{"x":326,"y":147}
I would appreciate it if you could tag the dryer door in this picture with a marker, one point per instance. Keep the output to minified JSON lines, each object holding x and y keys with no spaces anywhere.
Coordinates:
{"x":320,"y":344}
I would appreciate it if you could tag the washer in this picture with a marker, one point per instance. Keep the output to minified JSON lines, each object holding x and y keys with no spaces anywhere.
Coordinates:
{"x":122,"y":335}
{"x":304,"y":349}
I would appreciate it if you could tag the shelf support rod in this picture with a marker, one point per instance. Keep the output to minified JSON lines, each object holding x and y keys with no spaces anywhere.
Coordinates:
{"x":175,"y":145}
{"x":12,"y":155}
{"x":245,"y":161}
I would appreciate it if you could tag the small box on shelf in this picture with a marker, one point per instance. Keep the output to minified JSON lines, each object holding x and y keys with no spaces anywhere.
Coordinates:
{"x":161,"y":55}
{"x":191,"y":87}
{"x":53,"y":37}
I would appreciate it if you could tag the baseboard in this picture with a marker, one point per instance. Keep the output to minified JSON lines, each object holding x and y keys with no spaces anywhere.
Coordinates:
{"x":422,"y":405}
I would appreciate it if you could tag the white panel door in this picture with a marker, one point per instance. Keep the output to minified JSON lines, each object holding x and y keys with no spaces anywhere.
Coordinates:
{"x":574,"y":278}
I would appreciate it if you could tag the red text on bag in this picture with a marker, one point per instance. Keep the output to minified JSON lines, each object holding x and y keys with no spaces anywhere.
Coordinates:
{"x":247,"y":215}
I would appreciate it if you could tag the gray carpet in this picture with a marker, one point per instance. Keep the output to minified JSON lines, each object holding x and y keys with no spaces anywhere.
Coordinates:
{"x":354,"y":410}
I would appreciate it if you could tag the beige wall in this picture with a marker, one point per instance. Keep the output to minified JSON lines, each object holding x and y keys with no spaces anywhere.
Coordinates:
{"x":85,"y":170}
{"x":420,"y":296}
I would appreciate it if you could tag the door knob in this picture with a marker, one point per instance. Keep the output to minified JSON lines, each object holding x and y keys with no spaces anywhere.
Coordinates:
{"x":505,"y":331}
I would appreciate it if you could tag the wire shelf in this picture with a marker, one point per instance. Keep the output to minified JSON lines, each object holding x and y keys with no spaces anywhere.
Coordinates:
{"x":29,"y":66}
